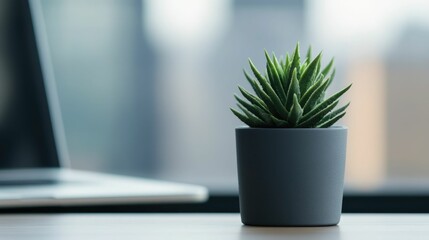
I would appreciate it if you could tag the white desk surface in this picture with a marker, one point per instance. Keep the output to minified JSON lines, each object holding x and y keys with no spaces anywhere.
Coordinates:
{"x":204,"y":226}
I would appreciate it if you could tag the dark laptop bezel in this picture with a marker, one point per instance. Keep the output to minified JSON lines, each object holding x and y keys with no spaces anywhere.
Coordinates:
{"x":30,"y":60}
{"x":54,"y":122}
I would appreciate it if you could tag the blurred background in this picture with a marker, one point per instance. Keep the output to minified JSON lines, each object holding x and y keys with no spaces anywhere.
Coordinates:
{"x":145,"y":86}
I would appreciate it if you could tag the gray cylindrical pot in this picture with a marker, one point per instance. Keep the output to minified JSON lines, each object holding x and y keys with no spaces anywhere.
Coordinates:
{"x":291,"y":177}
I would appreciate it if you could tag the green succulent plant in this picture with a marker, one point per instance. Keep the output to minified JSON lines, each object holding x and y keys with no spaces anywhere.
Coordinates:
{"x":291,"y":94}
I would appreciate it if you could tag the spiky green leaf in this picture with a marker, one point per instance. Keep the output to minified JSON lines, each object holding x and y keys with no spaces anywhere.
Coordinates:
{"x":319,"y":107}
{"x":315,"y":118}
{"x":278,"y":105}
{"x":293,"y":89}
{"x":331,"y":121}
{"x":253,"y":99}
{"x":328,"y":67}
{"x":310,"y":91}
{"x":243,"y":118}
{"x":275,"y":78}
{"x":316,"y":72}
{"x":302,"y":68}
{"x":290,"y":93}
{"x":309,"y":50}
{"x":286,"y":65}
{"x":252,"y":82}
{"x":267,"y":100}
{"x":316,"y":95}
{"x":334,"y":113}
{"x":255,"y":110}
{"x":295,"y":64}
{"x":287,"y":72}
{"x":254,"y":119}
{"x":309,"y":72}
{"x":281,"y":73}
{"x":282,"y":63}
{"x":278,"y":64}
{"x":262,"y":95}
{"x":331,"y":77}
{"x":256,"y":72}
{"x":279,"y":122}
{"x":295,"y":112}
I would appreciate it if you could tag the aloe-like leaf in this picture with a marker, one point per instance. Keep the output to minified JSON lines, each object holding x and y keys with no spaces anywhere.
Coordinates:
{"x":281,"y":73}
{"x":267,"y":100}
{"x":287,"y":72}
{"x":254,"y":109}
{"x":255,"y":71}
{"x":286,"y":65}
{"x":278,"y":105}
{"x":328,"y":67}
{"x":253,"y":99}
{"x":278,"y":64}
{"x":309,"y":73}
{"x":316,"y":72}
{"x":289,"y":93}
{"x":302,"y":68}
{"x":282,"y":63}
{"x":273,"y":82}
{"x":282,"y":92}
{"x":334,"y":113}
{"x":331,"y":77}
{"x":280,"y":108}
{"x":319,"y":77}
{"x":331,"y":121}
{"x":315,"y":118}
{"x":295,"y":64}
{"x":319,"y":107}
{"x":275,"y":78}
{"x":243,"y":118}
{"x":256,"y":121}
{"x":317,"y":93}
{"x":309,"y":51}
{"x":279,"y":122}
{"x":269,"y":75}
{"x":252,"y":82}
{"x":262,"y":95}
{"x":295,"y":112}
{"x":293,"y":89}
{"x":310,"y":91}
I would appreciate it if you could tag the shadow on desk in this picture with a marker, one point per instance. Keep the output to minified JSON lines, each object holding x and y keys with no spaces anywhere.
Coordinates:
{"x":229,"y":204}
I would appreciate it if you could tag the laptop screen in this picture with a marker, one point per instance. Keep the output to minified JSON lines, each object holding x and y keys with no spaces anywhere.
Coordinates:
{"x":26,"y":135}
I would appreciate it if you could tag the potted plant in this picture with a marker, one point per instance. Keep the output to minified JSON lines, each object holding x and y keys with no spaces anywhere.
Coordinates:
{"x":291,"y":158}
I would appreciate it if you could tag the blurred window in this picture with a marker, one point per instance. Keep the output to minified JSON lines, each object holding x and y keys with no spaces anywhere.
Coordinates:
{"x":145,"y":86}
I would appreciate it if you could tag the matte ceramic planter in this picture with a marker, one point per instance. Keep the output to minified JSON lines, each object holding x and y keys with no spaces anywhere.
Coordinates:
{"x":291,"y":177}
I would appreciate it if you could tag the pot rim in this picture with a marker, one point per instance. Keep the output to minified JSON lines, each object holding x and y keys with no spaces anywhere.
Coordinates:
{"x":332,"y":128}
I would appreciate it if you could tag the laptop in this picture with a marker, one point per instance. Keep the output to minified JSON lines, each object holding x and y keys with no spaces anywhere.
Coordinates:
{"x":34,"y":164}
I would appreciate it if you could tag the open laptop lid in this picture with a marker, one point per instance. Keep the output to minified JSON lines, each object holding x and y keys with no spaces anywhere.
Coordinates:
{"x":31,"y":131}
